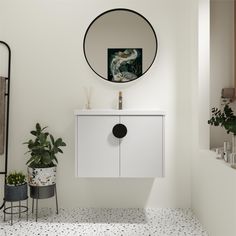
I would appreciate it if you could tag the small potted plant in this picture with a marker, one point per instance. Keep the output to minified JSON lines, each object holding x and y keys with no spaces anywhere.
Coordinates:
{"x":15,"y":187}
{"x":43,"y":161}
{"x":226,"y":119}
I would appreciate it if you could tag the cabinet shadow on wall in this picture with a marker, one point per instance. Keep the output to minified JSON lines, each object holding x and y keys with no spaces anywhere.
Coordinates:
{"x":111,"y":200}
{"x":116,"y":192}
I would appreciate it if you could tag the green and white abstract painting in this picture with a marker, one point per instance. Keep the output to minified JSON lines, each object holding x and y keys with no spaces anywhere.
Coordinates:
{"x":124,"y":64}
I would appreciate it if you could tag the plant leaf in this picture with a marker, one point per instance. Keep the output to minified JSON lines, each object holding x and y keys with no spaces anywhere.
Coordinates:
{"x":38,"y":127}
{"x":46,"y":158}
{"x":52,"y":139}
{"x":33,"y":132}
{"x":59,"y":150}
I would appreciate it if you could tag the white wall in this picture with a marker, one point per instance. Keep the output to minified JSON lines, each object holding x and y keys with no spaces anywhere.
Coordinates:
{"x":222,"y":59}
{"x":49,"y":74}
{"x":214,"y":194}
{"x":213,"y":181}
{"x":202,"y":100}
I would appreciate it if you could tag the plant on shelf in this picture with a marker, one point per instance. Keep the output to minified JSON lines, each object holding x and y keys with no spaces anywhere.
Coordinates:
{"x":16,"y":186}
{"x":43,"y":161}
{"x":225,"y":118}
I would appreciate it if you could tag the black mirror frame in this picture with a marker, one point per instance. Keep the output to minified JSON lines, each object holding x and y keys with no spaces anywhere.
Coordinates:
{"x":119,"y":9}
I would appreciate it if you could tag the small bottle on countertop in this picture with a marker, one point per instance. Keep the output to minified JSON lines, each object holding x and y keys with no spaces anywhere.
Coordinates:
{"x":120,"y":105}
{"x":227,"y":151}
{"x":219,"y":153}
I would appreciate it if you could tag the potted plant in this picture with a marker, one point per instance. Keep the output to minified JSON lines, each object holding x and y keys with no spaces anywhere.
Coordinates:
{"x":226,"y":119}
{"x":42,"y":162}
{"x":15,"y":187}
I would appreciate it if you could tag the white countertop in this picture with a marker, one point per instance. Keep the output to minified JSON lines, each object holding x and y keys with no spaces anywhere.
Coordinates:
{"x":115,"y":112}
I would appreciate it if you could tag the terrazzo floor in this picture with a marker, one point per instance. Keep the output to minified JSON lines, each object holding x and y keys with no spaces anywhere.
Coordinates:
{"x":106,"y":222}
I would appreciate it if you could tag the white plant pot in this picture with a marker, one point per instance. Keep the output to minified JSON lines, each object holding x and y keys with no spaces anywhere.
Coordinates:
{"x":42,"y":176}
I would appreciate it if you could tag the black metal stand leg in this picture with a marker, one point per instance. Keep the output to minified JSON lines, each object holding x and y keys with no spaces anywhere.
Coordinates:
{"x":37,"y":199}
{"x":56,"y":198}
{"x":27,"y":213}
{"x":32,"y":205}
{"x":36,"y":209}
{"x":11,"y":213}
{"x":19,"y":209}
{"x":4,"y":219}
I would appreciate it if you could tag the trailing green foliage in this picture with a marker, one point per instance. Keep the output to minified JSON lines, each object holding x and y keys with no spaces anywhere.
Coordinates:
{"x":16,"y":178}
{"x":225,"y":118}
{"x":43,"y":148}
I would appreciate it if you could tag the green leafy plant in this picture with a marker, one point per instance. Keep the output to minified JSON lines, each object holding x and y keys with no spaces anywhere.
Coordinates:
{"x":225,"y":118}
{"x":16,"y":178}
{"x":43,"y":148}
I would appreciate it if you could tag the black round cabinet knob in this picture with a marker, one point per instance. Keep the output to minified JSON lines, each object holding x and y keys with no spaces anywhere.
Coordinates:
{"x":119,"y":131}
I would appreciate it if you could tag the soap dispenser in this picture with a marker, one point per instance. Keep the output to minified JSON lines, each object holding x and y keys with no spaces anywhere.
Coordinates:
{"x":120,"y":102}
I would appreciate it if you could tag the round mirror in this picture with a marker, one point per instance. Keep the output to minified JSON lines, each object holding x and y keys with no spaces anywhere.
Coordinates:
{"x":120,"y":45}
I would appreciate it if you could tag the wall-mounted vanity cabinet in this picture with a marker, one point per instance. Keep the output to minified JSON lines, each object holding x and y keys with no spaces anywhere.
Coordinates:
{"x":119,"y":143}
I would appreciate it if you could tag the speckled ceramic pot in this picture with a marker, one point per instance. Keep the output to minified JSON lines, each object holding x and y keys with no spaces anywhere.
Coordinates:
{"x":42,"y":176}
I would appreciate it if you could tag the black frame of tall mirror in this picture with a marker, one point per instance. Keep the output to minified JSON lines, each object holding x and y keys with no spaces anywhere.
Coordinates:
{"x":120,"y":9}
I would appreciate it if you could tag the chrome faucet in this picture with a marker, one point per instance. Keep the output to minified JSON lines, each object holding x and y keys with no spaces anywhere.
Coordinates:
{"x":120,"y":102}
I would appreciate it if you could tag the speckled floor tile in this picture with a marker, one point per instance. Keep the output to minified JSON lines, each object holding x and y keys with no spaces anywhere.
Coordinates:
{"x":106,"y":222}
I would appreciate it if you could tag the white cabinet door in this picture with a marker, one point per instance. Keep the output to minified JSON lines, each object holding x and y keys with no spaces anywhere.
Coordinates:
{"x":97,"y":149}
{"x":141,"y":150}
